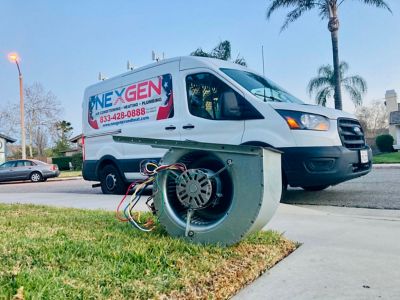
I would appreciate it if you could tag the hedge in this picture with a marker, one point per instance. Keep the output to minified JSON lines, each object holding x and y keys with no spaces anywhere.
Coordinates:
{"x":63,"y":162}
{"x":384,"y":142}
{"x":77,"y":161}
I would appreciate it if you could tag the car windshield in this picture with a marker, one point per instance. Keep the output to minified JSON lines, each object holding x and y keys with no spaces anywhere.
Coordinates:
{"x":261,"y":87}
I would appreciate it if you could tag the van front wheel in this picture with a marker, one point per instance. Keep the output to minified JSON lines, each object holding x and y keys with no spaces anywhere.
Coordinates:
{"x":111,"y":181}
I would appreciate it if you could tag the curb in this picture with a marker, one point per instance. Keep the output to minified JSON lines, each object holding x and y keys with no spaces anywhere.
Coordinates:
{"x":386,"y":166}
{"x":65,"y":178}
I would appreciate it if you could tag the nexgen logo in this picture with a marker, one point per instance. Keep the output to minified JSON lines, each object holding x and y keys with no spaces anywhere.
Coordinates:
{"x":136,"y":91}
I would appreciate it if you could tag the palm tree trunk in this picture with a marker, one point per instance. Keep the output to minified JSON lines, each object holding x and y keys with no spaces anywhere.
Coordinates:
{"x":336,"y":63}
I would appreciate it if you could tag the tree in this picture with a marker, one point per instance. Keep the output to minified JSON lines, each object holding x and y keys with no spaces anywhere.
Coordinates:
{"x":63,"y":130}
{"x":9,"y":120}
{"x":221,"y":51}
{"x":373,"y":118}
{"x":323,"y":86}
{"x":328,"y":9}
{"x":42,"y":111}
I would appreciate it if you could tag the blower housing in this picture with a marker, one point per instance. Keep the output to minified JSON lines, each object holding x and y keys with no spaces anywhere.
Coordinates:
{"x":226,"y":192}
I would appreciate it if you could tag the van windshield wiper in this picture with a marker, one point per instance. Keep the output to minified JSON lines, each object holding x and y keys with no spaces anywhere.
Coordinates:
{"x":268,"y":97}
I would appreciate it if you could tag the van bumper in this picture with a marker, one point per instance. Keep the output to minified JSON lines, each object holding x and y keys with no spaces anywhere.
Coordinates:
{"x":89,"y":170}
{"x":319,"y":166}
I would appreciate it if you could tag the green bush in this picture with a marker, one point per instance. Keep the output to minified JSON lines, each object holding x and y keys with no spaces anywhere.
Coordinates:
{"x":77,"y":161}
{"x":384,"y":142}
{"x":62,"y":162}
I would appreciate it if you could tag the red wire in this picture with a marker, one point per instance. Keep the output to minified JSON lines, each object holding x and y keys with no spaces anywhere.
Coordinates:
{"x":180,"y":166}
{"x":117,"y":214}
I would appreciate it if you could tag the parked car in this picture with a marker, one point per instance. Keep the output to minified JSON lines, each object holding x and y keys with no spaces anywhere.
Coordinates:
{"x":27,"y":169}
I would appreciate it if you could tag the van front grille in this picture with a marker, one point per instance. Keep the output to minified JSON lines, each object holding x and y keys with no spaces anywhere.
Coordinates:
{"x":351,"y":134}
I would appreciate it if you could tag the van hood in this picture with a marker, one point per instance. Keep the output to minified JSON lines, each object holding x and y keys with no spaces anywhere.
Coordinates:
{"x":314,"y":109}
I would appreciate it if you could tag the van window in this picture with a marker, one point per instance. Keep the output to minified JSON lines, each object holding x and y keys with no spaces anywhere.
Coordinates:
{"x":211,"y":98}
{"x":261,"y":87}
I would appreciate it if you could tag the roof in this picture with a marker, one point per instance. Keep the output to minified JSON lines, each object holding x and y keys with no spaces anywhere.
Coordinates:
{"x":71,"y":150}
{"x":75,"y":139}
{"x":7,"y":138}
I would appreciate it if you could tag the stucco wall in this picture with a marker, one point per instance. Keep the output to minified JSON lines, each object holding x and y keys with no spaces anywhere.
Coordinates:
{"x":2,"y":150}
{"x":392,"y":104}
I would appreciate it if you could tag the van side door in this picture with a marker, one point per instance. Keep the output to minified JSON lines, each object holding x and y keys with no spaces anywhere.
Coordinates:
{"x":214,"y":111}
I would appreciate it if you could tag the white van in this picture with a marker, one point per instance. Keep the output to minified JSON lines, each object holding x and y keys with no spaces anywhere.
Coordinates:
{"x":209,"y":100}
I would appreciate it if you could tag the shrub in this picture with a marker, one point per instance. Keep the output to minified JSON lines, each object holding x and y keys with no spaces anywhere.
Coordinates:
{"x":384,"y":142}
{"x":62,"y":162}
{"x":77,"y":161}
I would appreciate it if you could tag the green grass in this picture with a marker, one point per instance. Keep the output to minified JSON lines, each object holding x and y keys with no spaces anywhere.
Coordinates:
{"x":52,"y":253}
{"x":66,"y":174}
{"x":387,"y":158}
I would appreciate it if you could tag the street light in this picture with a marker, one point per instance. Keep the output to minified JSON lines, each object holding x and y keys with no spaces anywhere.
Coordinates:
{"x":13,"y":57}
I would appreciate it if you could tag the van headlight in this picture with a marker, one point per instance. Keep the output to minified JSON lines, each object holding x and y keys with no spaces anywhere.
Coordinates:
{"x":298,"y":120}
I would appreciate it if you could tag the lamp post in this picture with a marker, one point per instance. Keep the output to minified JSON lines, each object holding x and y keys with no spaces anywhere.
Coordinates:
{"x":13,"y":57}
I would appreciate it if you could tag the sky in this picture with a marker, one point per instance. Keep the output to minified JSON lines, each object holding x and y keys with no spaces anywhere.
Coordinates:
{"x":65,"y":44}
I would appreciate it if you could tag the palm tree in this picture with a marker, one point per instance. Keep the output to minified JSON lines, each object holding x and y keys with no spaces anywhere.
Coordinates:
{"x":221,"y":51}
{"x":323,"y":86}
{"x":328,"y":9}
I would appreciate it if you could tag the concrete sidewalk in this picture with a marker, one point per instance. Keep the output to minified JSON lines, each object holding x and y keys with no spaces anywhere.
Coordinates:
{"x":73,"y":200}
{"x":345,"y":255}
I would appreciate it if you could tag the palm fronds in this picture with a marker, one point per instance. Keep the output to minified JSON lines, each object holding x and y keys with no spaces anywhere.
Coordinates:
{"x":323,"y":85}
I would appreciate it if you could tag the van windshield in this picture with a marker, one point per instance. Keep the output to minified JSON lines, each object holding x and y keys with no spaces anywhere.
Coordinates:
{"x":261,"y":87}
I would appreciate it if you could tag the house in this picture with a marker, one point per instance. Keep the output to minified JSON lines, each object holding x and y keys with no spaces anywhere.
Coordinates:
{"x":3,"y":146}
{"x":393,"y":108}
{"x":76,"y":148}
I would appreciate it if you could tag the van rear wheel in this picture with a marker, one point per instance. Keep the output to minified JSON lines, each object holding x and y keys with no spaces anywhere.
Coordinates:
{"x":111,"y":181}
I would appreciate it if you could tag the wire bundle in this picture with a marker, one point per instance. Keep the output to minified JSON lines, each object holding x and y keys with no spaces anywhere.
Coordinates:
{"x":149,"y":169}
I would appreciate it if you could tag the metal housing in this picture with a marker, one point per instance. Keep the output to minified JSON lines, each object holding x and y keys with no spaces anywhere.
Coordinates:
{"x":251,"y":188}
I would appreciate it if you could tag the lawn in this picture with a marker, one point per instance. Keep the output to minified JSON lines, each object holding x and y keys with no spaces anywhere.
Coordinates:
{"x":387,"y":158}
{"x":52,"y":253}
{"x":66,"y":174}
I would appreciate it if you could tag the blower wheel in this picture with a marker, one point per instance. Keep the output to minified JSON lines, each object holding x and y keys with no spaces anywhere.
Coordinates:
{"x":217,"y":199}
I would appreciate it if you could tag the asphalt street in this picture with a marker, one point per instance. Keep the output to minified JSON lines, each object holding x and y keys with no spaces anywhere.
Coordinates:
{"x":380,"y":189}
